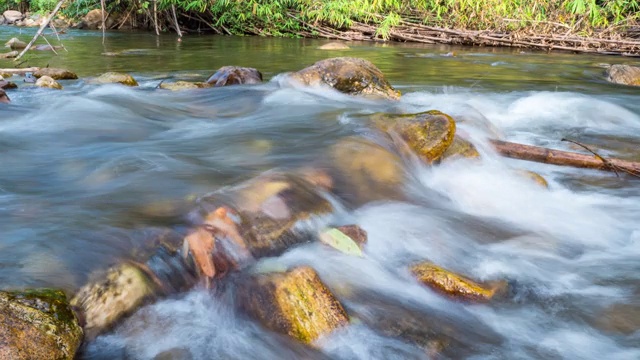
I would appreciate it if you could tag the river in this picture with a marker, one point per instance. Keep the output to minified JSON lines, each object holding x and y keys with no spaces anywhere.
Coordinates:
{"x":85,"y":171}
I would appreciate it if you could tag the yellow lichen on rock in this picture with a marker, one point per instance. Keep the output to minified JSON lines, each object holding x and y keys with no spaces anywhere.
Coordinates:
{"x":48,"y":82}
{"x":183,"y":85}
{"x":461,"y":148}
{"x":537,"y":178}
{"x":116,"y":78}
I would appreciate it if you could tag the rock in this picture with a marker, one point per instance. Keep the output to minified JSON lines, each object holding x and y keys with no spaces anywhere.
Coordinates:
{"x":624,"y":74}
{"x":56,"y":74}
{"x":9,"y":55}
{"x":11,"y":16}
{"x":19,"y":23}
{"x":295,"y":303}
{"x":2,"y":20}
{"x":183,"y":85}
{"x":15,"y":44}
{"x":334,"y":46}
{"x":60,"y":24}
{"x":177,"y":353}
{"x":537,"y":178}
{"x":428,"y":134}
{"x":620,"y":318}
{"x":104,"y":302}
{"x":114,"y":77}
{"x":37,"y":325}
{"x":455,"y":286}
{"x":348,"y":75}
{"x":4,"y":98}
{"x":5,"y":85}
{"x":92,"y":21}
{"x":234,"y":75}
{"x":29,"y":78}
{"x":45,"y":48}
{"x":30,"y":23}
{"x":349,"y":239}
{"x":460,"y":148}
{"x":364,"y":171}
{"x":48,"y":82}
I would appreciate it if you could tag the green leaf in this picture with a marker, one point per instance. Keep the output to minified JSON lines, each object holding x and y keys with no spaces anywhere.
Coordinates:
{"x":338,"y":240}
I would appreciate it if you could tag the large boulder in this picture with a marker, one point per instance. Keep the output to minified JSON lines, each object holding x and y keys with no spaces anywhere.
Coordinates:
{"x":15,"y":44}
{"x":295,"y":303}
{"x":37,"y":325}
{"x":348,"y":75}
{"x":234,"y":75}
{"x":92,"y":21}
{"x":4,"y":98}
{"x":624,"y":74}
{"x":48,"y":82}
{"x":116,"y":78}
{"x":11,"y":16}
{"x":56,"y":74}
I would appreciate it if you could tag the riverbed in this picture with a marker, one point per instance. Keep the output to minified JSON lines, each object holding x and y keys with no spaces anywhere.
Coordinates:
{"x":87,"y":171}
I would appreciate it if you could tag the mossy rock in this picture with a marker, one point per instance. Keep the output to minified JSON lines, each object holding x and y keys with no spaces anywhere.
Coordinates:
{"x":183,"y":85}
{"x":116,"y":78}
{"x":15,"y":44}
{"x":454,"y":285}
{"x":428,"y":134}
{"x":624,"y":74}
{"x":48,"y":82}
{"x":295,"y":303}
{"x":460,"y":148}
{"x":37,"y":325}
{"x":55,"y":74}
{"x":104,"y":302}
{"x":537,"y":178}
{"x":364,"y":171}
{"x":234,"y":75}
{"x":348,"y":75}
{"x":334,"y":46}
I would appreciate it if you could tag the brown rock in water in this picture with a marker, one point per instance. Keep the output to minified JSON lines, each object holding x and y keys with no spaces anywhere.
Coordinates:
{"x":348,"y":75}
{"x":295,"y":303}
{"x":48,"y":82}
{"x":92,"y":21}
{"x":116,"y":78}
{"x":37,"y":325}
{"x":460,"y":148}
{"x":44,"y":47}
{"x":56,"y":74}
{"x":334,"y":46}
{"x":11,"y":16}
{"x":9,"y":55}
{"x":624,"y":74}
{"x":454,"y":285}
{"x":5,"y":85}
{"x":104,"y":302}
{"x":537,"y":178}
{"x":15,"y":44}
{"x":428,"y":134}
{"x":183,"y":85}
{"x":234,"y":75}
{"x":364,"y":171}
{"x":620,"y":318}
{"x":4,"y":98}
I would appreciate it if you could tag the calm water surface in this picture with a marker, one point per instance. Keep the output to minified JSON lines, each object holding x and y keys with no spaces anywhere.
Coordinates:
{"x":86,"y":170}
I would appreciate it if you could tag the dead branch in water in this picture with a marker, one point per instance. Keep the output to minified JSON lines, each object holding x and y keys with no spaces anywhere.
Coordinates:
{"x":42,"y":27}
{"x":564,"y":158}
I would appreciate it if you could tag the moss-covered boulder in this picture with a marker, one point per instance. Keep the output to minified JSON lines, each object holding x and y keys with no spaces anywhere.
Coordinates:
{"x":295,"y":303}
{"x":234,"y":75}
{"x":56,"y":74}
{"x":454,"y":285}
{"x":428,"y":134}
{"x":48,"y":82}
{"x":364,"y":171}
{"x":107,"y":300}
{"x":183,"y":85}
{"x":15,"y":44}
{"x":37,"y":325}
{"x":4,"y":98}
{"x":116,"y":78}
{"x":460,"y":148}
{"x":334,"y":46}
{"x":348,"y":75}
{"x":624,"y":74}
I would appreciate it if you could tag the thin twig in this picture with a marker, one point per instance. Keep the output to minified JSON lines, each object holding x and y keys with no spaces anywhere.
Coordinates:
{"x":175,"y":20}
{"x":605,"y":161}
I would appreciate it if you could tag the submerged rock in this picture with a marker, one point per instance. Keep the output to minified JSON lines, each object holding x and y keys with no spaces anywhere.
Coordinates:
{"x":295,"y":303}
{"x":624,"y":74}
{"x":4,"y":98}
{"x":235,"y":75}
{"x":537,"y":178}
{"x":44,"y":47}
{"x":9,"y":55}
{"x":48,"y":82}
{"x":5,"y":85}
{"x":348,"y":75}
{"x":183,"y":85}
{"x":620,"y":318}
{"x":334,"y":46}
{"x":454,"y":285}
{"x":461,"y":148}
{"x":116,"y":78}
{"x":37,"y":325}
{"x":56,"y":74}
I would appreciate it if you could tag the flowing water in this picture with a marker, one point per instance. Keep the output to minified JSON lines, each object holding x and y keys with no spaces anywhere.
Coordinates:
{"x":87,"y":171}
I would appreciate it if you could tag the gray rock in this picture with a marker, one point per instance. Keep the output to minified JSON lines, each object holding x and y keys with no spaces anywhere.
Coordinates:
{"x":624,"y":74}
{"x":11,"y":16}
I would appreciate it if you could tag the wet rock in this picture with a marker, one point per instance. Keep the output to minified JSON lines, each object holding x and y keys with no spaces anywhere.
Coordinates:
{"x":454,"y":285}
{"x":48,"y":82}
{"x":44,"y":47}
{"x":2,"y":20}
{"x":183,"y":85}
{"x":364,"y":171}
{"x":15,"y":44}
{"x":114,"y":78}
{"x":624,"y":74}
{"x":428,"y":134}
{"x":537,"y":178}
{"x":4,"y":98}
{"x":174,"y":354}
{"x":295,"y":303}
{"x":460,"y":148}
{"x":30,"y":23}
{"x":11,"y":16}
{"x":349,"y":239}
{"x":334,"y":46}
{"x":29,"y":78}
{"x":234,"y":75}
{"x":5,"y":85}
{"x":37,"y":325}
{"x":104,"y":302}
{"x":620,"y":318}
{"x":348,"y":75}
{"x":92,"y":21}
{"x":9,"y":55}
{"x":56,"y":74}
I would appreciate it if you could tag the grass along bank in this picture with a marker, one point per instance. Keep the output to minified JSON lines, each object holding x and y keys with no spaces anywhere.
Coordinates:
{"x":606,"y":26}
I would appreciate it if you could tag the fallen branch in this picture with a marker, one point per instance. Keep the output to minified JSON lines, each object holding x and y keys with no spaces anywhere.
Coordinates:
{"x":564,"y":158}
{"x":175,"y":20}
{"x":19,"y":71}
{"x":42,"y":27}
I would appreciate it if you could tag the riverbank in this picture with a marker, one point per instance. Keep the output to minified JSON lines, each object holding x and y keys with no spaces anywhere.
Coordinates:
{"x":577,"y":26}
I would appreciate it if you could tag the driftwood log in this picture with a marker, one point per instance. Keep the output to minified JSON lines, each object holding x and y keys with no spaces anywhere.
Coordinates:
{"x":19,"y":71}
